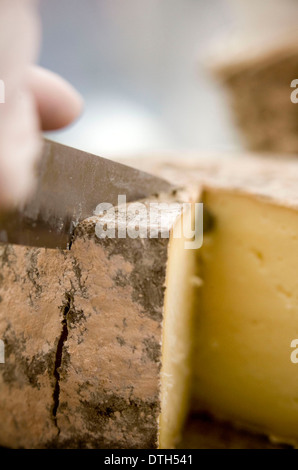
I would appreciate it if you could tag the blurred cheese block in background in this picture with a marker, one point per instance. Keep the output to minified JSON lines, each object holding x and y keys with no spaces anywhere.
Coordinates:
{"x":256,"y":62}
{"x":258,"y":78}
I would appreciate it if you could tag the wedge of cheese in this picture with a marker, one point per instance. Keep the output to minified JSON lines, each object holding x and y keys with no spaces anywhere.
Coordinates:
{"x":245,"y":309}
{"x":108,"y":344}
{"x":84,"y":338}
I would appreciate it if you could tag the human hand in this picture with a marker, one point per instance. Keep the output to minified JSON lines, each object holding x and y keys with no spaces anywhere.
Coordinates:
{"x":35,"y":100}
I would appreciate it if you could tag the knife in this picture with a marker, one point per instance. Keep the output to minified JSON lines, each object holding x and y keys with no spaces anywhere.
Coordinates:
{"x":70,"y":185}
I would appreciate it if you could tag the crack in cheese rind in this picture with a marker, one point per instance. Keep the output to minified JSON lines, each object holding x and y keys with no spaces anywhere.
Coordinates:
{"x":248,"y":315}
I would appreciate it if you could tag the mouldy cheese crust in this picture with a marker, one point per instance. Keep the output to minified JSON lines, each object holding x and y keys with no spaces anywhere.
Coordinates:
{"x":30,"y":327}
{"x":109,"y":392}
{"x":263,"y":177}
{"x":82,"y":332}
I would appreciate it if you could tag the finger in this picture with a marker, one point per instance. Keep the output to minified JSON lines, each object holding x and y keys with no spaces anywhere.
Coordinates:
{"x":58,"y":103}
{"x":20,"y":147}
{"x":20,"y":143}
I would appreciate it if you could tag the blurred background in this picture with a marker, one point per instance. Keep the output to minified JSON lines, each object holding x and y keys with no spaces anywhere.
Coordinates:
{"x":141,"y":68}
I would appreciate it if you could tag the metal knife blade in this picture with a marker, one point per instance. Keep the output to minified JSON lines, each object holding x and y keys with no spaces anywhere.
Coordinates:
{"x":70,"y":185}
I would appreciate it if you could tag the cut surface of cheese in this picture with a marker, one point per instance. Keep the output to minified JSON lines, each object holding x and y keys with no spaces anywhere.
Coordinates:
{"x":247,"y":315}
{"x":177,"y":346}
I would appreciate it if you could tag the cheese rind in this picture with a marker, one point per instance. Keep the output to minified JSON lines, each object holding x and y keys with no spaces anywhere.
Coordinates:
{"x":31,"y":290}
{"x":82,"y":332}
{"x":111,"y":372}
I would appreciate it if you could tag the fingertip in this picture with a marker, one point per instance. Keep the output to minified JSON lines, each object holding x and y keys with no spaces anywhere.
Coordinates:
{"x":58,"y":103}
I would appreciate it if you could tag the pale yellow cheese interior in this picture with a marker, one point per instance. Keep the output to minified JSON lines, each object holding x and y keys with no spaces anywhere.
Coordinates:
{"x":247,"y":315}
{"x":176,"y":369}
{"x":231,"y":313}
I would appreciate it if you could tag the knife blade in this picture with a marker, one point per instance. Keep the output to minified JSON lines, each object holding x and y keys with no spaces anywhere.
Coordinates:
{"x":70,"y":185}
